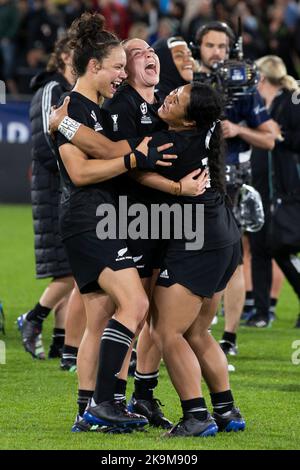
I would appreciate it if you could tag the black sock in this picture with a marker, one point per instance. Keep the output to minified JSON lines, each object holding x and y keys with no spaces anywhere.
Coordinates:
{"x":120,"y":390}
{"x":249,"y":302}
{"x":69,"y":352}
{"x":115,"y":342}
{"x":38,"y":313}
{"x":58,"y":337}
{"x":222,"y":402}
{"x":144,"y":384}
{"x":231,"y":337}
{"x":196,"y":406}
{"x":83,"y":398}
{"x":273,"y":303}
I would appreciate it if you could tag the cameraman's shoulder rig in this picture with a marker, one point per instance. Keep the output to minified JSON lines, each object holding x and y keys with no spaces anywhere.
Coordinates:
{"x":238,"y":174}
{"x":232,"y":78}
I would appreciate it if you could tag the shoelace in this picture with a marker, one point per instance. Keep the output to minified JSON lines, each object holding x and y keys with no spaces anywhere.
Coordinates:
{"x":121,"y":407}
{"x":179,"y":427}
{"x":120,"y":404}
{"x":156,"y":403}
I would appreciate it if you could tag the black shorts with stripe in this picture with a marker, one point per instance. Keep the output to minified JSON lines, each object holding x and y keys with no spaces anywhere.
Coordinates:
{"x":89,"y":256}
{"x":148,"y":255}
{"x":202,"y":272}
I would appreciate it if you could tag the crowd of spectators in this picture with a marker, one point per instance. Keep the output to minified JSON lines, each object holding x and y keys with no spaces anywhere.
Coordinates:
{"x":29,"y":28}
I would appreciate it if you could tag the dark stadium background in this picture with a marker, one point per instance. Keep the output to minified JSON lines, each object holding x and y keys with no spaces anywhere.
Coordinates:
{"x":270,"y":27}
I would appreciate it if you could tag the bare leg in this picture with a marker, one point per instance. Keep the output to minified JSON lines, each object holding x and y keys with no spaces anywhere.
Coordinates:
{"x":126,"y":291}
{"x":60,"y":311}
{"x":109,"y":308}
{"x":212,"y":360}
{"x":175,"y":310}
{"x":214,"y":367}
{"x":234,"y":299}
{"x":148,"y":354}
{"x":247,"y":263}
{"x":75,"y":319}
{"x":146,"y":283}
{"x":99,"y":309}
{"x":56,"y":290}
{"x":277,"y":280}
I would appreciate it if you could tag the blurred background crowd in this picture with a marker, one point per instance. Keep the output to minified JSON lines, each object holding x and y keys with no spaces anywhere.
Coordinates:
{"x":29,"y":28}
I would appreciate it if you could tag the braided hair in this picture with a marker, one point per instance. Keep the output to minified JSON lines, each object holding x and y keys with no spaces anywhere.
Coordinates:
{"x":205,"y":109}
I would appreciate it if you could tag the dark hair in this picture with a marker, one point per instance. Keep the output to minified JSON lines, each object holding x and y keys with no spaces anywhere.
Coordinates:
{"x":90,"y":41}
{"x":205,"y":108}
{"x":180,"y":5}
{"x":55,"y":62}
{"x":215,"y":26}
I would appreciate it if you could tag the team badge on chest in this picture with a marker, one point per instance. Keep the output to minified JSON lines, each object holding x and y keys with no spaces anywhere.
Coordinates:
{"x":145,"y":119}
{"x":115,"y":122}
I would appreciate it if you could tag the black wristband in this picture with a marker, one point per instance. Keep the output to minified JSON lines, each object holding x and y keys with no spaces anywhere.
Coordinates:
{"x":141,"y":161}
{"x":144,"y":162}
{"x":127,"y":161}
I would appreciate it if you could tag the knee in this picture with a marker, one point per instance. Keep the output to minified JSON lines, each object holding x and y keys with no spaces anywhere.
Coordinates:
{"x":139,"y":307}
{"x":164,"y":339}
{"x":196,"y":339}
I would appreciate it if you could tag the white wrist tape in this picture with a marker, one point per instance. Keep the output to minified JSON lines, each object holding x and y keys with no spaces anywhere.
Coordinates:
{"x":68,"y":127}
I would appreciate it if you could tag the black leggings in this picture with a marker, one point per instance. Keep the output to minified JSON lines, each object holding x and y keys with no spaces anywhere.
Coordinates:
{"x":262,"y":269}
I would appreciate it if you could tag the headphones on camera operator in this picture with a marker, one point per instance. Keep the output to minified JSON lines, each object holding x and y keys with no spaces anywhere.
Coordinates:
{"x":234,"y":77}
{"x":212,"y":26}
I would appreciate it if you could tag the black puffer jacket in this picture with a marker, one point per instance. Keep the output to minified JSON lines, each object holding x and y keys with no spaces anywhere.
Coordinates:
{"x":50,"y":255}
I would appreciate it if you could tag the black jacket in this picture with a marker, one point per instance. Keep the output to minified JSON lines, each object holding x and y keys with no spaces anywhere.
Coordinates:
{"x":50,"y":255}
{"x":285,"y":155}
{"x":169,"y":78}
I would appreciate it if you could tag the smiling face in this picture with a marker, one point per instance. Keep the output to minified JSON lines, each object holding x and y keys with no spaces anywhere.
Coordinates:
{"x":183,"y":61}
{"x":173,"y":110}
{"x":111,"y":72}
{"x":142,"y":63}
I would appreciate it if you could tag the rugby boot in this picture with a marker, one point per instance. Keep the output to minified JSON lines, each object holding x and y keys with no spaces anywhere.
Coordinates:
{"x":114,"y":413}
{"x":190,"y":426}
{"x":230,"y":421}
{"x":151,"y":409}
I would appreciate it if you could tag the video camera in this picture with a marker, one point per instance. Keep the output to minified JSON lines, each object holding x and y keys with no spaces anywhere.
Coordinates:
{"x":234,"y":77}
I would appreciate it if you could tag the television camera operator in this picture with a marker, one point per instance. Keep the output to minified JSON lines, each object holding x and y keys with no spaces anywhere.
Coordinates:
{"x":246,"y":123}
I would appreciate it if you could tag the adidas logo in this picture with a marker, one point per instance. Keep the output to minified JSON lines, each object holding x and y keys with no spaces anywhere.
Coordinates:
{"x":98,"y":127}
{"x":164,"y":274}
{"x":137,"y":258}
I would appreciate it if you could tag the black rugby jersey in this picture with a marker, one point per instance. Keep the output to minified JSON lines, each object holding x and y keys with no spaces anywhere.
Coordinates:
{"x":220,"y":228}
{"x":127,"y":115}
{"x":79,"y":204}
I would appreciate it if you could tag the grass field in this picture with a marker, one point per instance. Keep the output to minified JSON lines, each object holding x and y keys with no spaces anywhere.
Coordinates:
{"x":38,"y":401}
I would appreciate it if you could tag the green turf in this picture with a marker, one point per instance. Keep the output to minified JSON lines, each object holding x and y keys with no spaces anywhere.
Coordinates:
{"x":37,"y":401}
